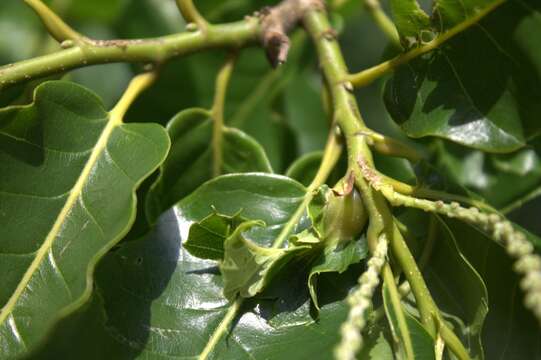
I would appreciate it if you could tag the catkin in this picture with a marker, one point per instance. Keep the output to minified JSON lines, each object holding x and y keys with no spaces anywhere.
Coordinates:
{"x":527,"y":262}
{"x":360,"y":301}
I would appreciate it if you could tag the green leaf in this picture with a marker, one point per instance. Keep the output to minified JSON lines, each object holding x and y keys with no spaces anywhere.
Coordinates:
{"x":376,"y":344}
{"x":455,"y":285}
{"x":510,"y":331}
{"x":418,"y":339}
{"x":189,"y":163}
{"x":68,"y":178}
{"x":410,"y":20}
{"x":206,"y":238}
{"x":482,"y":87}
{"x":335,"y":259}
{"x":500,"y":179}
{"x":154,"y":299}
{"x":304,"y":110}
{"x":247,"y":268}
{"x":304,"y":169}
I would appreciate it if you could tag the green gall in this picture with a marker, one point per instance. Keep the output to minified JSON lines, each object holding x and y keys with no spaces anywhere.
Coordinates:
{"x":344,"y":216}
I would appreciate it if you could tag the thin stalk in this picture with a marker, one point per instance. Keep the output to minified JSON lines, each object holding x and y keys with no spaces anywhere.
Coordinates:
{"x":365,"y":77}
{"x":331,"y":154}
{"x":54,"y":24}
{"x":422,"y":192}
{"x":137,"y":85}
{"x":222,"y":81}
{"x":396,"y":303}
{"x":350,"y":121}
{"x":222,"y":328}
{"x":191,"y":15}
{"x":518,"y":203}
{"x":404,"y":289}
{"x":383,"y":21}
{"x":157,"y":50}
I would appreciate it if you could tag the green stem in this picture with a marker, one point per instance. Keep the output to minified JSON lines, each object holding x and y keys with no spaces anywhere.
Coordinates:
{"x":383,"y":21}
{"x":518,"y":203}
{"x":350,"y":121}
{"x":365,"y":77}
{"x":396,"y":303}
{"x":392,"y":147}
{"x":404,"y":289}
{"x":191,"y":15}
{"x":54,"y":24}
{"x":157,"y":50}
{"x":330,"y":157}
{"x":222,"y":81}
{"x":423,"y":192}
{"x":221,"y":329}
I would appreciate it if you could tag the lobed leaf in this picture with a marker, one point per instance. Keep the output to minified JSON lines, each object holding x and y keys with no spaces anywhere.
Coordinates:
{"x":410,"y":20}
{"x":480,"y":88}
{"x":68,"y":176}
{"x":189,"y":163}
{"x":154,"y":299}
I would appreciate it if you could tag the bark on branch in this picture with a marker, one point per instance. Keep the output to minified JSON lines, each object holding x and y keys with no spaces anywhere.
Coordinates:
{"x":277,"y":21}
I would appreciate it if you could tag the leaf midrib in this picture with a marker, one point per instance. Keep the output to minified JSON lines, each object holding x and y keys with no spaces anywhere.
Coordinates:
{"x":75,"y":193}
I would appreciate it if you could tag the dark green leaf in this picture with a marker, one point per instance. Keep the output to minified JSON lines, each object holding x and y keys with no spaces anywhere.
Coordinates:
{"x":510,"y":331}
{"x":189,"y":163}
{"x":481,"y":88}
{"x":410,"y":21}
{"x":68,"y":178}
{"x":500,"y":179}
{"x":206,"y":238}
{"x":156,"y":300}
{"x":419,"y":340}
{"x":335,"y":259}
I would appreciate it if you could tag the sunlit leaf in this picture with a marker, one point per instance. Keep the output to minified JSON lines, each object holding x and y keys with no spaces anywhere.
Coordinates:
{"x":68,"y":179}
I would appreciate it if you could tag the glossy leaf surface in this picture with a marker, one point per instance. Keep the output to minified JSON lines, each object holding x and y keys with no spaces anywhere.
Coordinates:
{"x":189,"y":163}
{"x":481,"y":88}
{"x":69,"y":173}
{"x":154,"y":299}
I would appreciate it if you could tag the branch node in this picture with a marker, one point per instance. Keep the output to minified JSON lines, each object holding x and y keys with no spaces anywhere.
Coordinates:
{"x":66,"y":44}
{"x":191,"y":27}
{"x":277,"y":22}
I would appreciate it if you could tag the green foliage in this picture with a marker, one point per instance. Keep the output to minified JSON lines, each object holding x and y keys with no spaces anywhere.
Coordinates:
{"x":189,"y":163}
{"x":118,"y":242}
{"x":69,"y":181}
{"x":479,"y":89}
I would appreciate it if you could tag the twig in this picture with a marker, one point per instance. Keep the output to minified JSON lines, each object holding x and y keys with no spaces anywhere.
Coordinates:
{"x":191,"y":15}
{"x":222,"y":81}
{"x":157,"y":50}
{"x":383,"y":21}
{"x":365,"y":77}
{"x":276,"y":22}
{"x":54,"y":24}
